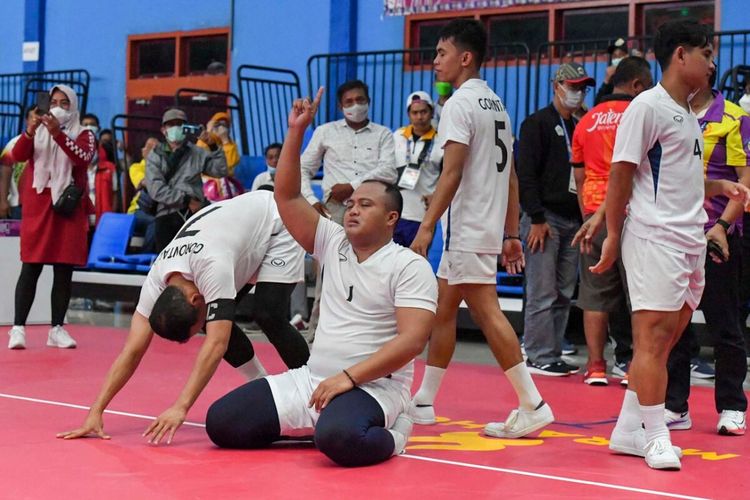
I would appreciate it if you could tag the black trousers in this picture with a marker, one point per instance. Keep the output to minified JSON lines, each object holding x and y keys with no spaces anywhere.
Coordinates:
{"x":167,"y":226}
{"x":350,"y":430}
{"x":721,"y":308}
{"x":26,"y":291}
{"x":270,"y":311}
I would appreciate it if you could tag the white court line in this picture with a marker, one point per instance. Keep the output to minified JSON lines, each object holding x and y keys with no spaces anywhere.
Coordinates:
{"x":554,"y":478}
{"x":414,"y":457}
{"x":81,"y":407}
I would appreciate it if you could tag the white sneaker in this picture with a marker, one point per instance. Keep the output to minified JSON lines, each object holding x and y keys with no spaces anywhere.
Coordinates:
{"x":633,"y":443}
{"x":731,"y":423}
{"x":422,"y":414}
{"x":17,"y":339}
{"x":521,"y":422}
{"x":677,"y":421}
{"x":58,"y":337}
{"x":661,"y":455}
{"x":401,"y":430}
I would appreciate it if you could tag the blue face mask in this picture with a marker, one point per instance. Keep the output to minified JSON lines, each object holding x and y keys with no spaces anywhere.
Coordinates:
{"x":271,"y":170}
{"x":175,"y":134}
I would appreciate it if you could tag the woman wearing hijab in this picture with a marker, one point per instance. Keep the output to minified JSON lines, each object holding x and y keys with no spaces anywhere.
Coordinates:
{"x":58,"y":150}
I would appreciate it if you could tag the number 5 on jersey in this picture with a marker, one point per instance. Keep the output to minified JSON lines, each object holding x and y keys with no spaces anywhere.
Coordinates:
{"x":500,"y":125}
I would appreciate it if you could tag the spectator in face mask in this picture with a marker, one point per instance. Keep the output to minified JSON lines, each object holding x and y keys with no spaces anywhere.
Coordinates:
{"x":266,"y":179}
{"x":102,"y":174}
{"x":617,"y":52}
{"x":551,"y":218}
{"x":217,"y":132}
{"x":58,"y":150}
{"x":10,"y":175}
{"x":745,"y":99}
{"x":173,"y":176}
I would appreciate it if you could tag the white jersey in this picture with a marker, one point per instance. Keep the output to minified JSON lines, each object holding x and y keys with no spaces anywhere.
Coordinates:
{"x":475,"y":219}
{"x":221,"y":248}
{"x":358,"y":305}
{"x":666,"y":143}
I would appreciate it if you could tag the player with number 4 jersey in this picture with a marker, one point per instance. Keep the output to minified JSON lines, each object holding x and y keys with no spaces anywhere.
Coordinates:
{"x":477,"y":197}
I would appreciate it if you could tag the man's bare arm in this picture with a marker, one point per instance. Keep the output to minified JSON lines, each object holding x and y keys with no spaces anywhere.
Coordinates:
{"x":122,"y":369}
{"x":300,"y":218}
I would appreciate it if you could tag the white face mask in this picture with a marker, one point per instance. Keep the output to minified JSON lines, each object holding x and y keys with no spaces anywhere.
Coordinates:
{"x":62,"y":115}
{"x":616,"y":61}
{"x":93,"y":128}
{"x":745,"y":103}
{"x":175,"y":134}
{"x":357,"y":113}
{"x":571,"y":99}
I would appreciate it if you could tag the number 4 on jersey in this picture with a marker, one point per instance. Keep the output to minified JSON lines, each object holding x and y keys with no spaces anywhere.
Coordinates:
{"x":697,"y":149}
{"x":500,"y":125}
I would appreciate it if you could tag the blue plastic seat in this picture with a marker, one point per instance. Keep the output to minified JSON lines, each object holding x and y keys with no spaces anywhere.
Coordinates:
{"x":510,"y":284}
{"x":249,"y":168}
{"x":110,"y":244}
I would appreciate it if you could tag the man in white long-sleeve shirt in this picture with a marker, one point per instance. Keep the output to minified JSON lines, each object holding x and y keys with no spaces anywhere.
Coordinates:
{"x":352,"y":150}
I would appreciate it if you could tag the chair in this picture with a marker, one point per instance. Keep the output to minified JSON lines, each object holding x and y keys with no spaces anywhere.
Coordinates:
{"x":110,"y":244}
{"x":248,"y":169}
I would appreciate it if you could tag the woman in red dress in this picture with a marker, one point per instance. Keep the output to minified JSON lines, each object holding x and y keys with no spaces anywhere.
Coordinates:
{"x":58,"y":150}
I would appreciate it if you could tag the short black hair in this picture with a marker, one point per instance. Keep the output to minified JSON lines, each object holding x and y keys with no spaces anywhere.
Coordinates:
{"x":351,"y":85}
{"x":629,"y":69}
{"x":395,"y":200}
{"x":92,"y":116}
{"x":273,"y":145}
{"x":467,"y":34}
{"x":106,"y":131}
{"x":173,"y":316}
{"x":675,"y":34}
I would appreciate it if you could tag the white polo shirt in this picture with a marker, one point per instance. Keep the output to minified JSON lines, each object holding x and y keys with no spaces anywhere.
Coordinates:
{"x":221,"y":249}
{"x":358,"y":303}
{"x":475,"y":219}
{"x":666,"y":143}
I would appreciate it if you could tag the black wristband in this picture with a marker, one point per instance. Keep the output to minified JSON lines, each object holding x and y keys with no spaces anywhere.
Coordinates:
{"x":351,"y":379}
{"x":724,"y":224}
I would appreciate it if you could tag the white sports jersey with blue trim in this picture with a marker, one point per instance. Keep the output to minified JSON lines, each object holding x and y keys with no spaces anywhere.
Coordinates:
{"x":665,"y":141}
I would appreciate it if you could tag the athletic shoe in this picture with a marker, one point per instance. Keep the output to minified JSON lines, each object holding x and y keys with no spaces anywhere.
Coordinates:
{"x":521,"y":422}
{"x":632,"y":443}
{"x":568,"y":349}
{"x":701,"y":369}
{"x":401,"y":430}
{"x":422,"y":414}
{"x":596,"y":373}
{"x":298,"y":323}
{"x":17,"y":339}
{"x":572,"y":369}
{"x":58,"y":337}
{"x":661,"y":455}
{"x":620,"y":370}
{"x":731,"y":423}
{"x":556,"y":369}
{"x":677,"y":421}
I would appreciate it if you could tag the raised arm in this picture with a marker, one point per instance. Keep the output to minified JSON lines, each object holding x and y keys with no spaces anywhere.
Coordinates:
{"x":122,"y":369}
{"x":300,"y":218}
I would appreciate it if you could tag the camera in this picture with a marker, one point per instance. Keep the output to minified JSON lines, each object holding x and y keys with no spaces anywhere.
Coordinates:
{"x":192,"y":130}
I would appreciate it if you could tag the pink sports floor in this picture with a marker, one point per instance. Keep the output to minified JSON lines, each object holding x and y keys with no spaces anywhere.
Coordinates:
{"x":44,"y":391}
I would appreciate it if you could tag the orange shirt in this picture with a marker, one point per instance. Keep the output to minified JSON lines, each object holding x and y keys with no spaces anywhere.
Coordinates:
{"x":593,"y":142}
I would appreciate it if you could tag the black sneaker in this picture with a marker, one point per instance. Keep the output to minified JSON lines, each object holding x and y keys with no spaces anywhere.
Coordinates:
{"x":571,"y":368}
{"x":556,"y":369}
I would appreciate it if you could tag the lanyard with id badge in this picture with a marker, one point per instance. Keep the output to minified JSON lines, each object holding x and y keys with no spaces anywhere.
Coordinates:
{"x":562,"y":130}
{"x":409,"y":174}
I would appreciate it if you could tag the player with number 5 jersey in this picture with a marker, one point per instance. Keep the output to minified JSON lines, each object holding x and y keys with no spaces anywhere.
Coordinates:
{"x":477,"y":197}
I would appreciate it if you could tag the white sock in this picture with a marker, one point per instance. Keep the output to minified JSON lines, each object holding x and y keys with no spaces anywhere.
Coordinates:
{"x":433,"y":376}
{"x":401,"y":430}
{"x":630,"y":413}
{"x":252,"y":369}
{"x":526,"y":391}
{"x":653,"y":421}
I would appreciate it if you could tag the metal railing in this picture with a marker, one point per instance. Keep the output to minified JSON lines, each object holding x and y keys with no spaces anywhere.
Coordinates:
{"x":392,"y":75}
{"x":11,"y":121}
{"x":266,"y":94}
{"x":200,"y":105}
{"x":13,"y":86}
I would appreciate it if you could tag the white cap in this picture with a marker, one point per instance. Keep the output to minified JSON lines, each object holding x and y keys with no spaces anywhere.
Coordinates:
{"x":419,"y":95}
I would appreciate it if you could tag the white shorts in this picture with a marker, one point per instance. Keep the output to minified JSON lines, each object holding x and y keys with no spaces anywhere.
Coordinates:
{"x":284,"y":261}
{"x":466,"y":267}
{"x":661,"y":278}
{"x":292,"y":391}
